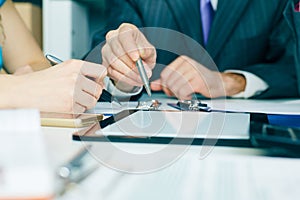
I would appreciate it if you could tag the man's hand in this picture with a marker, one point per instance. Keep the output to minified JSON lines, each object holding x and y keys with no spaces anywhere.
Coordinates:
{"x":184,"y":77}
{"x":123,"y":48}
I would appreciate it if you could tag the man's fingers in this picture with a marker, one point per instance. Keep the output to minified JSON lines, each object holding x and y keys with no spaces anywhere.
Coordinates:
{"x":167,"y":91}
{"x":118,"y":52}
{"x":170,"y":69}
{"x":118,"y":76}
{"x":123,"y":48}
{"x":120,"y":66}
{"x":127,"y":38}
{"x":183,"y":90}
{"x":156,"y":85}
{"x":146,"y":50}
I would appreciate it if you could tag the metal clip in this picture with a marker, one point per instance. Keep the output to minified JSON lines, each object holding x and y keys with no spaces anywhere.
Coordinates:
{"x":148,"y":105}
{"x":193,"y":105}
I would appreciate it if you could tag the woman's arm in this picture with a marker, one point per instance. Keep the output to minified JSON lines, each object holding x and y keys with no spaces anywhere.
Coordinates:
{"x":19,"y":47}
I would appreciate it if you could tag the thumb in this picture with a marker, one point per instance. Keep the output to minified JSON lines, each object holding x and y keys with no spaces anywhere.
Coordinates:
{"x":156,"y":85}
{"x":146,"y":50}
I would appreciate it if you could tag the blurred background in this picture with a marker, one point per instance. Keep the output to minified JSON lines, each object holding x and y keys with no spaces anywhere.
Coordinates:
{"x":63,"y":27}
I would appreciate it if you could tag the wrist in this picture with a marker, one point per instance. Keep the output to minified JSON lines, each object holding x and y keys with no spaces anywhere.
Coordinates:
{"x":233,"y":83}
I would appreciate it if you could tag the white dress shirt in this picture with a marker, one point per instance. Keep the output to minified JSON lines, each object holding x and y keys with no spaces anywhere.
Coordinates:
{"x":110,"y":87}
{"x":254,"y":84}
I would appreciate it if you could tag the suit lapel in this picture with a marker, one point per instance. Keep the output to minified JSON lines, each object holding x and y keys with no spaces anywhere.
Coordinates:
{"x":226,"y":18}
{"x":187,"y":16}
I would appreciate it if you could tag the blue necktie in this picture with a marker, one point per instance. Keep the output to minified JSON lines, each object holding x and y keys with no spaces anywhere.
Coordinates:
{"x":207,"y":16}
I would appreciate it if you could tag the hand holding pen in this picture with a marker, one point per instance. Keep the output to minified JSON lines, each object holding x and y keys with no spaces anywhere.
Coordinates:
{"x":129,"y":57}
{"x":105,"y":96}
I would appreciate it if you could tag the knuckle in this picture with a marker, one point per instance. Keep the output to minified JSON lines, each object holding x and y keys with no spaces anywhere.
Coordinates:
{"x":164,"y":74}
{"x":183,"y":57}
{"x":154,"y":53}
{"x":104,"y":50}
{"x":127,"y":26}
{"x":113,"y":74}
{"x":112,"y":59}
{"x":110,"y":34}
{"x":73,"y":62}
{"x":69,"y":62}
{"x":119,"y":51}
{"x":103,"y":71}
{"x":181,"y":93}
{"x":75,"y":65}
{"x":110,"y":71}
{"x":164,"y":77}
{"x":169,"y":85}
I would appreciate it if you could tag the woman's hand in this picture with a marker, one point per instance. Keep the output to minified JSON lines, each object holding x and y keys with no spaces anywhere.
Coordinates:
{"x":72,"y":86}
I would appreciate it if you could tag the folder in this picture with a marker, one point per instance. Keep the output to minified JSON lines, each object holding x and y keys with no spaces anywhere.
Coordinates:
{"x":69,"y":120}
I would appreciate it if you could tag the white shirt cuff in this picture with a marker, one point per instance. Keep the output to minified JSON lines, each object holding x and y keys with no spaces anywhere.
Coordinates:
{"x":254,"y":84}
{"x":110,"y":87}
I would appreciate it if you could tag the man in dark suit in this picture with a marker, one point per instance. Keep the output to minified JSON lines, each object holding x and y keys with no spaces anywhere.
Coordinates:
{"x":251,"y":38}
{"x":292,"y":16}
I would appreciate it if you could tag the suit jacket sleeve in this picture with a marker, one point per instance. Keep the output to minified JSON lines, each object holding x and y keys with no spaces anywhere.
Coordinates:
{"x":279,"y":70}
{"x":276,"y":65}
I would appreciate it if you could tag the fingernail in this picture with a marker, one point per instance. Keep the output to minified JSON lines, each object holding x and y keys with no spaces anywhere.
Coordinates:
{"x":142,"y":52}
{"x":134,"y":56}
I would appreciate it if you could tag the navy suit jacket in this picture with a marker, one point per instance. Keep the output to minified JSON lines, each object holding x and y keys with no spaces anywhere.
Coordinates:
{"x":248,"y":35}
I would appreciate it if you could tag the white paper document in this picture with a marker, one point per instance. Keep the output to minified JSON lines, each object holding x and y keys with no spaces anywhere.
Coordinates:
{"x":182,"y":124}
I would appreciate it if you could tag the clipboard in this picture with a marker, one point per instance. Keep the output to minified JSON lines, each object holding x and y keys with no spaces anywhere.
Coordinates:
{"x":268,"y":131}
{"x":104,"y":131}
{"x":69,"y":120}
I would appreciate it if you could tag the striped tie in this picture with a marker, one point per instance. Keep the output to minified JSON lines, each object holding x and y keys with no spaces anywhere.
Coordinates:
{"x":207,"y":16}
{"x":297,"y":7}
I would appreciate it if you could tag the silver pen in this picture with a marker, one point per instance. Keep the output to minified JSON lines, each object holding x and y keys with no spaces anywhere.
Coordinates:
{"x":53,"y":60}
{"x":143,"y":74}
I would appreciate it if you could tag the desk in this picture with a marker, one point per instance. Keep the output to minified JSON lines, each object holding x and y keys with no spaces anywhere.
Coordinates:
{"x":226,"y":173}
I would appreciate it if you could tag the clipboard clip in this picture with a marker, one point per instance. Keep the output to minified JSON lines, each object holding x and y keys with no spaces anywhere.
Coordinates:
{"x":148,"y":105}
{"x":193,"y":105}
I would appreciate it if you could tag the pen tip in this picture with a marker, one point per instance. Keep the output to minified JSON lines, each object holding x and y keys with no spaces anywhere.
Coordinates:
{"x":148,"y":91}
